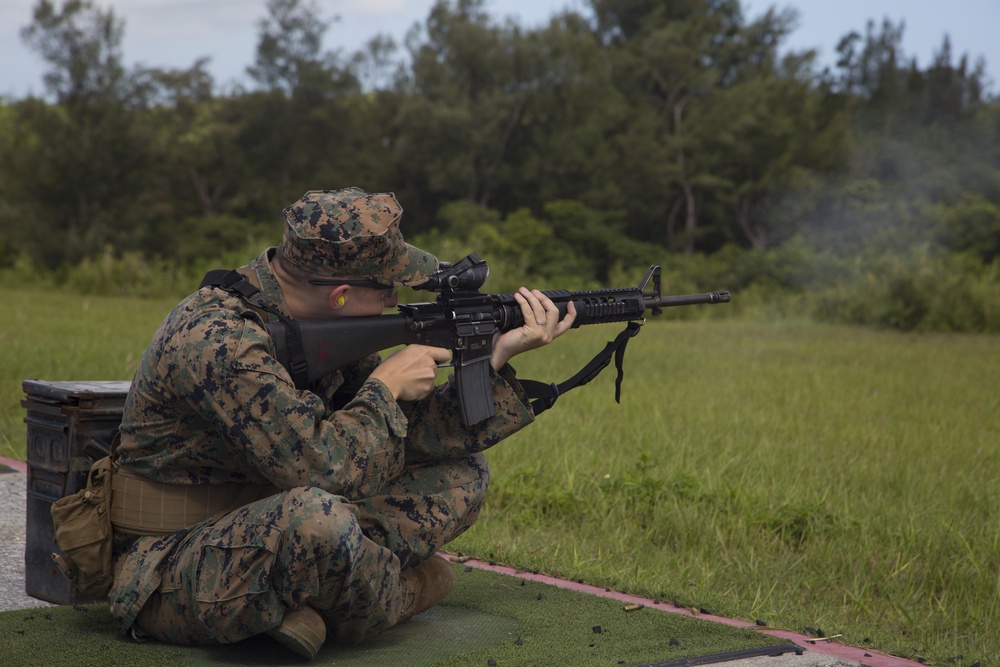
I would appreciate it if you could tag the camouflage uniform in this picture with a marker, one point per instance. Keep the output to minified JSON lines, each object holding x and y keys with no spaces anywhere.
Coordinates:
{"x":363,"y":487}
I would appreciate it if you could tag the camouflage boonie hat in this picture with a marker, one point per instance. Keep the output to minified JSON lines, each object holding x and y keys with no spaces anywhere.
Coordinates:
{"x":353,"y":234}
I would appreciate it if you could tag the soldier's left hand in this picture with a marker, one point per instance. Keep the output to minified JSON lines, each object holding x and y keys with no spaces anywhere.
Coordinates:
{"x":541,"y":326}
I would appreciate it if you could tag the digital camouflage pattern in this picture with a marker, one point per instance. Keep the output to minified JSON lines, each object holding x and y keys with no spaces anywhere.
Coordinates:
{"x":351,"y":233}
{"x":368,"y":487}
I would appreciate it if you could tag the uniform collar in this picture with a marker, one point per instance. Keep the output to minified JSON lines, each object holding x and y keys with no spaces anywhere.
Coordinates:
{"x":268,"y":282}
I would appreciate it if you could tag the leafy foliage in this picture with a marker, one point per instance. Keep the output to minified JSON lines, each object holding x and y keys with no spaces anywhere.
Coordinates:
{"x":628,"y":133}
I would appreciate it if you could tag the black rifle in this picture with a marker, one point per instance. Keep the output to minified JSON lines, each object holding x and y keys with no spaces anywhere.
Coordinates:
{"x":466,"y":321}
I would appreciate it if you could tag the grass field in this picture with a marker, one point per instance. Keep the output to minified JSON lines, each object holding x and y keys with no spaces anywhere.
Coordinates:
{"x":808,"y":476}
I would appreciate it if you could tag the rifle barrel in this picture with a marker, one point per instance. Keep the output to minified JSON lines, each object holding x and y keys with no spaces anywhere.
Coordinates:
{"x":722,"y":296}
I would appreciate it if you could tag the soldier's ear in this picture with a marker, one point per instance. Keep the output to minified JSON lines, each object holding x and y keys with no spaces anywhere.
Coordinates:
{"x":338,"y":296}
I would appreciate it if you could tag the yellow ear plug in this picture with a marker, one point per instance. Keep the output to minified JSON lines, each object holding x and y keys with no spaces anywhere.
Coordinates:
{"x":341,"y":300}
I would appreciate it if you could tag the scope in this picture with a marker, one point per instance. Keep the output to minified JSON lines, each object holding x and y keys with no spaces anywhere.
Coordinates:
{"x":466,"y":275}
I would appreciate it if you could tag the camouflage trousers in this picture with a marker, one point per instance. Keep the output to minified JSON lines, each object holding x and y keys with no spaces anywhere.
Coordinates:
{"x":237,"y":578}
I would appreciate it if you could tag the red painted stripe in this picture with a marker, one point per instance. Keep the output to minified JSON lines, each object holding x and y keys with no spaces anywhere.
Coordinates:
{"x":20,"y":466}
{"x":829,"y":648}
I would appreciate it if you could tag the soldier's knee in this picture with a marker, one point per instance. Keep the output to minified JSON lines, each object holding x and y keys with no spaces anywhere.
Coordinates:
{"x":313,"y":514}
{"x":479,"y":473}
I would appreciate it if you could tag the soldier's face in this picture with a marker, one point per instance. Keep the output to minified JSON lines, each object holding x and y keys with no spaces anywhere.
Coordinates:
{"x":368,"y":301}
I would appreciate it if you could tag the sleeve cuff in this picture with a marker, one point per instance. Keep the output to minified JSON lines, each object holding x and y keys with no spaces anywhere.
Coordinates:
{"x":508,"y":375}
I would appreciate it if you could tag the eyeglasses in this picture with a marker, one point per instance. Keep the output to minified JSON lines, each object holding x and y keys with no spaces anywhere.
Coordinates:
{"x":371,"y":284}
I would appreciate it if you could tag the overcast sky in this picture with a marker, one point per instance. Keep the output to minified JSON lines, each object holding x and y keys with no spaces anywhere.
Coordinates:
{"x":175,"y":33}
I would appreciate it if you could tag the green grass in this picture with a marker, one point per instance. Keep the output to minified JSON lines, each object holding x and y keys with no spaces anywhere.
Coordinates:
{"x":805,"y":475}
{"x":49,"y":335}
{"x":809,"y":476}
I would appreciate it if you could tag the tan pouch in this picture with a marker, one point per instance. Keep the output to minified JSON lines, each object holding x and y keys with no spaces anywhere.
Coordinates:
{"x":83,"y":532}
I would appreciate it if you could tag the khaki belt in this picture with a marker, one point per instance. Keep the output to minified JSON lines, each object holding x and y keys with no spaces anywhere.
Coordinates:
{"x":140,"y":506}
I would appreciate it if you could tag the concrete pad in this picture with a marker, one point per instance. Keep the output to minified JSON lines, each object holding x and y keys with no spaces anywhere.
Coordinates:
{"x":13,"y":500}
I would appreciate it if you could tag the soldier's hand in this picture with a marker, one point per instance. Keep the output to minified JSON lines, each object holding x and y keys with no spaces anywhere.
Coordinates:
{"x":410,"y":373}
{"x":541,"y":326}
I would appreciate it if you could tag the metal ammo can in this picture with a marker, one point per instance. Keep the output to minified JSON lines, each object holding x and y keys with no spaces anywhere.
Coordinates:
{"x":70,"y":425}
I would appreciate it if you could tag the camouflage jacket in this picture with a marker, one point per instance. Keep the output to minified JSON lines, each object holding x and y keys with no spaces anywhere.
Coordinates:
{"x":210,"y":404}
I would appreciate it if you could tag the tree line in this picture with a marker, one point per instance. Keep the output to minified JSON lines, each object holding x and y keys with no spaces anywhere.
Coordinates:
{"x":633,"y":129}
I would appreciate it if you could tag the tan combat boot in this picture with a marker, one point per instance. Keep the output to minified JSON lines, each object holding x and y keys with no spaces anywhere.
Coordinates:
{"x":301,"y":630}
{"x":425,"y":585}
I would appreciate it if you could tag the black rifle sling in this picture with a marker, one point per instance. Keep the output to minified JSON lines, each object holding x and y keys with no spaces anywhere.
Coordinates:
{"x":239,"y":285}
{"x":545,"y":395}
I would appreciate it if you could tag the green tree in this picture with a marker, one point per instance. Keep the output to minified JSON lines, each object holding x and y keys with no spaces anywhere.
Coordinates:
{"x":718,"y":123}
{"x":468,"y":96}
{"x":894,"y":92}
{"x":289,"y":57}
{"x":79,"y":160}
{"x":378,"y":66}
{"x":774,"y":134}
{"x":565,"y":144}
{"x":598,"y":243}
{"x":195,"y":139}
{"x":920,"y":143}
{"x":82,"y":45}
{"x":293,"y":119}
{"x":973,"y":225}
{"x":873,"y":71}
{"x":950,"y":93}
{"x":681,"y":69}
{"x":195,"y":183}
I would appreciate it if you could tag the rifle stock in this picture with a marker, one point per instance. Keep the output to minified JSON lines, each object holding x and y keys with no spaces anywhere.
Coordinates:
{"x":333,"y":344}
{"x":466,"y":322}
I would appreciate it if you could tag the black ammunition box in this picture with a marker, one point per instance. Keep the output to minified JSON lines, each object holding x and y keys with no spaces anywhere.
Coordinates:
{"x":70,"y":425}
